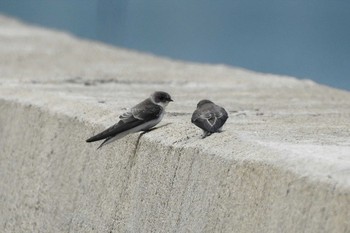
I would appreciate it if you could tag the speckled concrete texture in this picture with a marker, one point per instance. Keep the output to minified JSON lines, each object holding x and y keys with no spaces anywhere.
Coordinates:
{"x":282,"y":163}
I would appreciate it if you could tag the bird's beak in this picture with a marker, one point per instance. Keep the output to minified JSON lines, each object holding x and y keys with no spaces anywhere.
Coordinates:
{"x":171,"y":100}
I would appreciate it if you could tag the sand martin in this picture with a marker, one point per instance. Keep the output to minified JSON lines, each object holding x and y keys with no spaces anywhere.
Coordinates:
{"x":209,"y":117}
{"x":141,"y":117}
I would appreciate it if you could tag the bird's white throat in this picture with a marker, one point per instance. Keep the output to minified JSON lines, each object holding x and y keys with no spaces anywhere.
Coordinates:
{"x":162,"y":104}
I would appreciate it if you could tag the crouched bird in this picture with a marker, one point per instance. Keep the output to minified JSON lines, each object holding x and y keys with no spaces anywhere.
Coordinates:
{"x":209,"y":117}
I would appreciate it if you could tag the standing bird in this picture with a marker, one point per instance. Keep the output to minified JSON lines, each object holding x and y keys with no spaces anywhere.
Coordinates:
{"x":209,"y":117}
{"x":141,"y":117}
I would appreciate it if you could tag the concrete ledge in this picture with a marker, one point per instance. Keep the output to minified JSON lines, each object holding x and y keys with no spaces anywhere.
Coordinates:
{"x":281,"y":165}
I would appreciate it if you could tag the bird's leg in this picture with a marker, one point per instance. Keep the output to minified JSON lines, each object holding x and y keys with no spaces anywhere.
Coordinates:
{"x":148,"y":130}
{"x":151,"y":129}
{"x":205,"y":134}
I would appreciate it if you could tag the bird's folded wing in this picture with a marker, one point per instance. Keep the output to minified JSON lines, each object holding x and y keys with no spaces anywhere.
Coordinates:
{"x":135,"y":117}
{"x":208,"y":120}
{"x":114,"y":130}
{"x":144,"y":111}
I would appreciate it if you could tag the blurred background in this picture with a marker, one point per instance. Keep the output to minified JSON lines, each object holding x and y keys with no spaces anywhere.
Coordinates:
{"x":305,"y":39}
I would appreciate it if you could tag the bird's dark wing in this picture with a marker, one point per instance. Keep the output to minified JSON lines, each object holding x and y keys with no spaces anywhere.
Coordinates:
{"x":144,"y":111}
{"x":210,"y":120}
{"x":138,"y":115}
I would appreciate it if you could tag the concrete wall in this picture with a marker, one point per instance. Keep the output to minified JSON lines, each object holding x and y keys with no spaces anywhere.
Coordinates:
{"x":281,"y":165}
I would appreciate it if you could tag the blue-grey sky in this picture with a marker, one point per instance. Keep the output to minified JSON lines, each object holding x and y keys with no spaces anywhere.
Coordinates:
{"x":306,"y":39}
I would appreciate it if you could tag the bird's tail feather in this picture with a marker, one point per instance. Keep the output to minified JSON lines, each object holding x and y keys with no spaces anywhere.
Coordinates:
{"x":104,"y":142}
{"x":112,"y":139}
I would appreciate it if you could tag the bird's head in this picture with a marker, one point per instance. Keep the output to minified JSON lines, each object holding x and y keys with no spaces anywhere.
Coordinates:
{"x":202,"y":102}
{"x":161,"y":98}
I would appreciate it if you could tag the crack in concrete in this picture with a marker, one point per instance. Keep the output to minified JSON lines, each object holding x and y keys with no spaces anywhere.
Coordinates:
{"x":178,"y":220}
{"x":174,"y":176}
{"x":130,"y":164}
{"x":175,"y":171}
{"x":75,"y":198}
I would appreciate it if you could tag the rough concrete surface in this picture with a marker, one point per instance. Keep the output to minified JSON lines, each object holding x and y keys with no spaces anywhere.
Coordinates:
{"x":282,"y":163}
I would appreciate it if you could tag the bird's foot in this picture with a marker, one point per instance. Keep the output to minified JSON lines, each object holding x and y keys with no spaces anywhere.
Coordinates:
{"x":206,"y":134}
